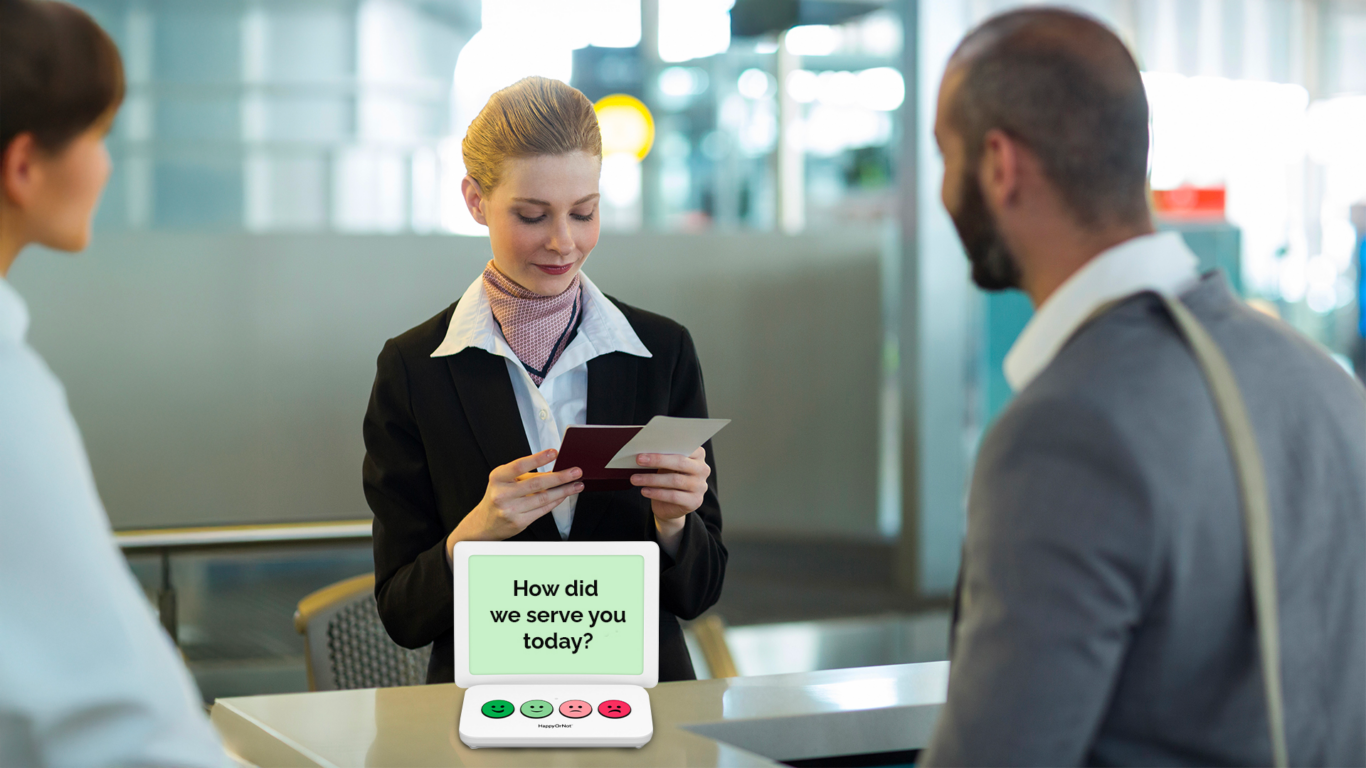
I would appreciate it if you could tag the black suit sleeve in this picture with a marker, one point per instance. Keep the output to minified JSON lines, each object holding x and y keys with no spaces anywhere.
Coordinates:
{"x":690,"y":582}
{"x":412,"y":578}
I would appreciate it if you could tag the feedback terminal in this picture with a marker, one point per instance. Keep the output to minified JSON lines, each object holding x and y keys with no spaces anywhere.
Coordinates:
{"x":559,"y":642}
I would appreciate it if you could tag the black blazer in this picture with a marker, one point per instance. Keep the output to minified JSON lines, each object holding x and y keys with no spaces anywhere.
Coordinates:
{"x":436,"y":428}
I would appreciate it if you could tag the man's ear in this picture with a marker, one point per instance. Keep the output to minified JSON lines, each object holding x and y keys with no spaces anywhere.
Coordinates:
{"x":999,"y":169}
{"x":474,"y":199}
{"x":19,"y":170}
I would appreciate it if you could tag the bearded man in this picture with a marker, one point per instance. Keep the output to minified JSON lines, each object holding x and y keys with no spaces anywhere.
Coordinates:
{"x":1104,"y":608}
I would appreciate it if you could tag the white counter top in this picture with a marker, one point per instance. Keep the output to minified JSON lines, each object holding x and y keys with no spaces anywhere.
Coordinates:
{"x":738,"y":721}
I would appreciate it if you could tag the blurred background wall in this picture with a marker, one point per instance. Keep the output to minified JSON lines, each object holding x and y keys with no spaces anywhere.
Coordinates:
{"x":287,"y":187}
{"x":286,"y":197}
{"x":222,"y":378}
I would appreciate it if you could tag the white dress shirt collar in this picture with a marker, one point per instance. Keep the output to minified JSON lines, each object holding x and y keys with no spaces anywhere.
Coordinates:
{"x":604,"y":329}
{"x":1159,"y":262}
{"x":13,"y":313}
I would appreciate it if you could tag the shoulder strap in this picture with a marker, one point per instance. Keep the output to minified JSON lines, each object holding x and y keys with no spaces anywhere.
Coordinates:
{"x":1247,"y":464}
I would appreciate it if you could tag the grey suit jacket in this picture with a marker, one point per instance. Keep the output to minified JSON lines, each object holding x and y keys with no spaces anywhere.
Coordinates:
{"x":1105,"y":615}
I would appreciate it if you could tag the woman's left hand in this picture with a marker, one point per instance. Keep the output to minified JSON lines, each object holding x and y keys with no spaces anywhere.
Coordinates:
{"x":677,"y":488}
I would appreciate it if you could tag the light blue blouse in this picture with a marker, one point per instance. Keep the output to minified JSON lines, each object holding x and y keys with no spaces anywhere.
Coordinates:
{"x":87,"y":676}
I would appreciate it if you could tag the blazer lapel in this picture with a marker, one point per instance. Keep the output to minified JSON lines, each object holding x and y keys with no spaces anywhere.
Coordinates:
{"x":611,"y":400}
{"x":485,"y":391}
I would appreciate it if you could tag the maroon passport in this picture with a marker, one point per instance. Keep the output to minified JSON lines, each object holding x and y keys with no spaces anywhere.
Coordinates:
{"x":590,"y":448}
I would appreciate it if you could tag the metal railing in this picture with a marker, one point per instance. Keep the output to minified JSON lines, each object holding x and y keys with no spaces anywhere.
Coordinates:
{"x":165,"y":542}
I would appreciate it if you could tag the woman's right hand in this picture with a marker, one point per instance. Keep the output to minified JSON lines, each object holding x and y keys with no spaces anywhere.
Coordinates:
{"x":516,"y":495}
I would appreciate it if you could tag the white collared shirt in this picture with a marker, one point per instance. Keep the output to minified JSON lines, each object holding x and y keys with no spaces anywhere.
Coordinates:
{"x":1159,"y":262}
{"x":562,"y":397}
{"x":87,"y":676}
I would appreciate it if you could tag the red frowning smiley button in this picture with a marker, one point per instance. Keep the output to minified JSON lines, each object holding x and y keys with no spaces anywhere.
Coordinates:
{"x":614,"y":709}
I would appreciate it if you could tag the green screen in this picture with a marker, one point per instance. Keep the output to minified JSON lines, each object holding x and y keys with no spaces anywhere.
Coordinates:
{"x":518,"y":602}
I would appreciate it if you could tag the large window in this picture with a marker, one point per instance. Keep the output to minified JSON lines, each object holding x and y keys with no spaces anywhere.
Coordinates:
{"x":332,"y":115}
{"x":1260,"y":101}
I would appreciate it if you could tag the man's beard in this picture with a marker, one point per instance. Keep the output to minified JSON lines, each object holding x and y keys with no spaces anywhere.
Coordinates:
{"x":993,"y":265}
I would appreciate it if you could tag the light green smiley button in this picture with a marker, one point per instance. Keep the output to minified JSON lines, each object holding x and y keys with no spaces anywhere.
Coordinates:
{"x":537,"y":708}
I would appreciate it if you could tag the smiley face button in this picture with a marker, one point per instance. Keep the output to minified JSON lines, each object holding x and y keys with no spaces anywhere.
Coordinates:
{"x":575,"y":708}
{"x":537,"y":709}
{"x":614,"y":709}
{"x":497,"y":709}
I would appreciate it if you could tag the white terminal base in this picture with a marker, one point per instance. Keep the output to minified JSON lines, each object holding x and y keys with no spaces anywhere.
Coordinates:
{"x":556,"y":729}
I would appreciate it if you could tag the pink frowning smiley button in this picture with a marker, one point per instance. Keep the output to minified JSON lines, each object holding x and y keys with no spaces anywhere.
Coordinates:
{"x":575,"y":708}
{"x":614,"y":709}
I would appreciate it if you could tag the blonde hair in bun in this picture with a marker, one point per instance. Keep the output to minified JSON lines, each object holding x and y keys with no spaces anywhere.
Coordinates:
{"x":534,"y":116}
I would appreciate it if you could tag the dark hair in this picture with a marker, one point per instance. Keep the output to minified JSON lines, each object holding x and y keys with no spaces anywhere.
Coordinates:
{"x":1065,"y":86}
{"x":59,"y":72}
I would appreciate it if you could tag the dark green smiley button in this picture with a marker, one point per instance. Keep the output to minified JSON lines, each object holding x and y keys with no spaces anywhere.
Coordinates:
{"x":537,"y":708}
{"x":497,"y":708}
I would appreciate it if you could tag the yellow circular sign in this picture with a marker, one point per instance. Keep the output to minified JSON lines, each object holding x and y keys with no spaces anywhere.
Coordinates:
{"x":627,"y":126}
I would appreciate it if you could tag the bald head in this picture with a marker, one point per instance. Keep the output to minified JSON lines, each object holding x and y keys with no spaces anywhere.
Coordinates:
{"x":1065,"y":86}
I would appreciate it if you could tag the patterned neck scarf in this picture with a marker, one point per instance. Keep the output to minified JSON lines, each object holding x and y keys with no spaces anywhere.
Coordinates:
{"x":538,"y":328}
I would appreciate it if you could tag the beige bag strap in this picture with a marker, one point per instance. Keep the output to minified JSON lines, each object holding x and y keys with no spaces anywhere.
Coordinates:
{"x":1247,"y":464}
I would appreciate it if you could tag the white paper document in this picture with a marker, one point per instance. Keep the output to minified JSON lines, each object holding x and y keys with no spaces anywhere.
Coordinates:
{"x":666,"y":434}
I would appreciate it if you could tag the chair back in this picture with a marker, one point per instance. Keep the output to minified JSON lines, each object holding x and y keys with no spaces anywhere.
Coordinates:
{"x":710,"y":632}
{"x":346,"y":646}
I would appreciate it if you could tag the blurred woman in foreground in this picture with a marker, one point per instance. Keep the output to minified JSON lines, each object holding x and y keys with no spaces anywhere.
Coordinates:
{"x":86,"y":675}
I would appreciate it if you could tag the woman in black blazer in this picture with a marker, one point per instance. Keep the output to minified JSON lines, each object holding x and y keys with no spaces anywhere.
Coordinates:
{"x":530,"y":348}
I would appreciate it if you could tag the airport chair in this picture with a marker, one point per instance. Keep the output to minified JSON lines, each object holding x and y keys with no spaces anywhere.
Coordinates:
{"x":710,"y":633}
{"x":345,"y":645}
